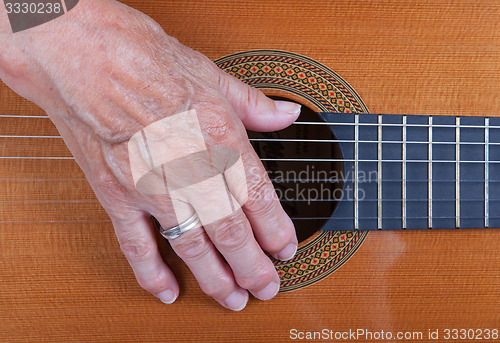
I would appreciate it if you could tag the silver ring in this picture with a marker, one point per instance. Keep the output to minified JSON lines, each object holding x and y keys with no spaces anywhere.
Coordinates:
{"x":178,"y":230}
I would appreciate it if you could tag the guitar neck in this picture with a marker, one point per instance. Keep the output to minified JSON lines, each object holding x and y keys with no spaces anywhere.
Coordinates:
{"x":416,"y":172}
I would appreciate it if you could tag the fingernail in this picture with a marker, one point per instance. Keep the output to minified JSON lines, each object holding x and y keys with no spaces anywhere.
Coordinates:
{"x":269,"y":292}
{"x":167,"y":297}
{"x":288,"y":107}
{"x":236,"y":301}
{"x":288,"y":253}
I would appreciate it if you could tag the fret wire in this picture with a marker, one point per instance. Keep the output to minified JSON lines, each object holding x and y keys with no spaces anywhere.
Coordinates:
{"x":486,"y":173}
{"x":390,"y":124}
{"x":457,"y":173}
{"x":356,"y":169}
{"x":379,"y":173}
{"x":403,"y":171}
{"x":429,"y":175}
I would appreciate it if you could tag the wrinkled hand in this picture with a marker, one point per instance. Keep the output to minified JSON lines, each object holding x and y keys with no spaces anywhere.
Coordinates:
{"x":104,"y":72}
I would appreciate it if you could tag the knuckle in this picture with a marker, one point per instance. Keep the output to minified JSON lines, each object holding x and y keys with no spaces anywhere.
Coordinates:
{"x":218,"y":289}
{"x":154,"y":285}
{"x":191,"y":248}
{"x":107,"y":184}
{"x":261,"y":194}
{"x":223,"y":80}
{"x":257,"y":278}
{"x":231,"y":234}
{"x":137,"y":249}
{"x":276,"y":236}
{"x":253,"y":97}
{"x":219,"y":129}
{"x":276,"y":240}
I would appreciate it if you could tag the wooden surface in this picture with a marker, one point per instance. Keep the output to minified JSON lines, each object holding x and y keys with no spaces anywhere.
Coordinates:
{"x":64,"y":279}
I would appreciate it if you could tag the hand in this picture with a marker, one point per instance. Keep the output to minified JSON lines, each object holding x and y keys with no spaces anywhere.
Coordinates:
{"x":104,"y":72}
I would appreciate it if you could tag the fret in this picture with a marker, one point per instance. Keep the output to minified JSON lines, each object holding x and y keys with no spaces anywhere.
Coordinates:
{"x":403,"y":174}
{"x":356,"y":172}
{"x":379,"y":173}
{"x":429,"y":174}
{"x":473,"y":172}
{"x":392,"y":170}
{"x":457,"y":172}
{"x":486,"y":173}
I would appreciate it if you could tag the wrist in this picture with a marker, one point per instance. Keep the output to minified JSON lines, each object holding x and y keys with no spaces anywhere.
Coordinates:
{"x":29,"y":59}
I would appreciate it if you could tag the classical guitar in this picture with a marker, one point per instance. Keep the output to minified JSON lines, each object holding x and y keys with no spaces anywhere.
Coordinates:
{"x":367,"y":192}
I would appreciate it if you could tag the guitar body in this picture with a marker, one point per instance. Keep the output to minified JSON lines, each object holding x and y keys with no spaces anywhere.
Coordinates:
{"x":63,"y":277}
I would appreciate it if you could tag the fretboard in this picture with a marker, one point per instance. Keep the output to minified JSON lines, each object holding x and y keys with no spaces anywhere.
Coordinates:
{"x":417,"y":172}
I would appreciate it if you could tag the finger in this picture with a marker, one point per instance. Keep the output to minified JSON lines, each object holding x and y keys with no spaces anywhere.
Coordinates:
{"x":138,"y":243}
{"x":196,"y":250}
{"x":272,"y":227}
{"x":213,"y":274}
{"x":252,"y":269}
{"x":255,"y":110}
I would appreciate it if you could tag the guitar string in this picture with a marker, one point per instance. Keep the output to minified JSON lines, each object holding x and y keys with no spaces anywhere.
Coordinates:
{"x":277,"y":160}
{"x":282,"y":160}
{"x":293,"y":218}
{"x":342,"y":124}
{"x":22,"y":116}
{"x":336,"y":180}
{"x":46,"y":201}
{"x":332,"y":180}
{"x":291,"y":140}
{"x":387,"y":218}
{"x":451,"y":200}
{"x":54,"y":221}
{"x":357,"y":141}
{"x":451,"y":126}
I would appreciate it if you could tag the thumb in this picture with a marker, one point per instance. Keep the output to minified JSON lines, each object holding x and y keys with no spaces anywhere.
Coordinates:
{"x":257,"y":111}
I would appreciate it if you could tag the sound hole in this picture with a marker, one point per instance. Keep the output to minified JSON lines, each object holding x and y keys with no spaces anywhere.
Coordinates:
{"x":308,"y":190}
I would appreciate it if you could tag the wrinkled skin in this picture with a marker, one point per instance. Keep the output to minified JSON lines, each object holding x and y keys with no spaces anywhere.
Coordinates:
{"x":103,"y":72}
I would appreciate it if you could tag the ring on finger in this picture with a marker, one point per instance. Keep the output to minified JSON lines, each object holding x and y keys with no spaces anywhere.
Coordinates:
{"x":178,"y":230}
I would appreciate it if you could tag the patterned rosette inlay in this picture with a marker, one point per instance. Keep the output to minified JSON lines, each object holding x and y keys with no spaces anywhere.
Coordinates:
{"x":320,"y":86}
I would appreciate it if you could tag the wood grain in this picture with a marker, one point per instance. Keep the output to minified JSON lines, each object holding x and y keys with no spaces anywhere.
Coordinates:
{"x":64,"y":279}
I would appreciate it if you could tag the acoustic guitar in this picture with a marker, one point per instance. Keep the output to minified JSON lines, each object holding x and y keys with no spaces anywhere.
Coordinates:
{"x":396,"y":211}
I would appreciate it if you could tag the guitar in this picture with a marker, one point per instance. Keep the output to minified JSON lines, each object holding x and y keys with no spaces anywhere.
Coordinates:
{"x":424,"y":58}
